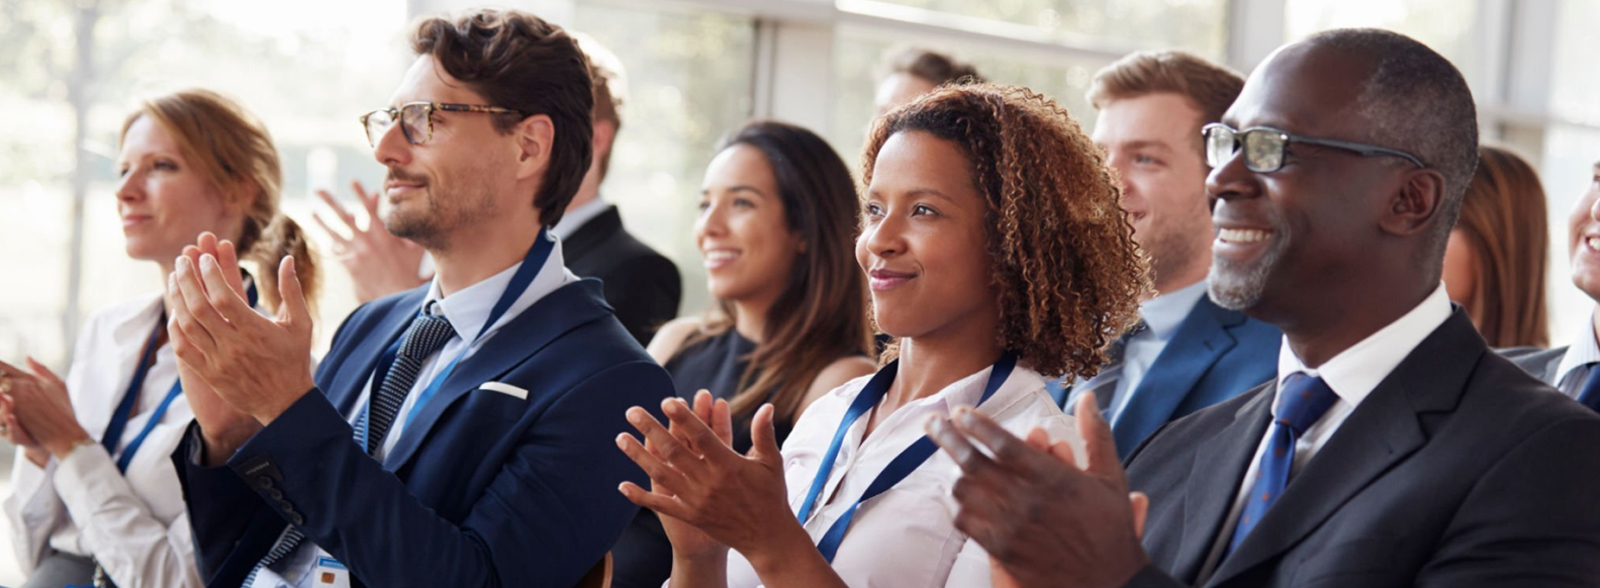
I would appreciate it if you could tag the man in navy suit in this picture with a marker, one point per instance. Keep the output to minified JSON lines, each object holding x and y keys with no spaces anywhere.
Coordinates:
{"x":1187,"y":353}
{"x":1394,"y":448}
{"x":1574,"y":369}
{"x":460,"y":434}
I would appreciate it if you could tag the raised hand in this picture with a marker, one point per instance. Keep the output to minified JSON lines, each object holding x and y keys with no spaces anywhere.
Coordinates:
{"x":379,"y":263}
{"x":38,"y":407}
{"x":1046,"y":521}
{"x":258,"y":365}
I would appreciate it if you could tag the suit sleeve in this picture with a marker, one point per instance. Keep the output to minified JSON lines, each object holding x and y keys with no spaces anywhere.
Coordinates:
{"x":551,"y":512}
{"x":1150,"y":577}
{"x":645,"y":292}
{"x":1531,"y":520}
{"x":220,"y":509}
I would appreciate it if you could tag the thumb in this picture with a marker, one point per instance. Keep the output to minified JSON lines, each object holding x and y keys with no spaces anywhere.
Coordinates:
{"x":293,"y":310}
{"x":44,"y":373}
{"x":764,"y":439}
{"x":1141,"y":508}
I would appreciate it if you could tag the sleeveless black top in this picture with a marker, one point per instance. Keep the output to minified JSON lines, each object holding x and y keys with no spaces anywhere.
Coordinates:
{"x":716,"y":364}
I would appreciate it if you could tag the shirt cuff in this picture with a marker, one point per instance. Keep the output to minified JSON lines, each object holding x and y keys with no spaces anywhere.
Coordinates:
{"x":88,"y":477}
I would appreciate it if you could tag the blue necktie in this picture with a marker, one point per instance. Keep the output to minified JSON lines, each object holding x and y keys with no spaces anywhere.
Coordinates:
{"x":1589,"y":394}
{"x":1301,"y":402}
{"x":426,"y":336}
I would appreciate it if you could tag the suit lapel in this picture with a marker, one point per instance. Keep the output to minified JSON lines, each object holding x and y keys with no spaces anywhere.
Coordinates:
{"x":1380,"y":434}
{"x":522,"y":337}
{"x":1219,"y":465}
{"x":350,"y":376}
{"x":1199,"y":342}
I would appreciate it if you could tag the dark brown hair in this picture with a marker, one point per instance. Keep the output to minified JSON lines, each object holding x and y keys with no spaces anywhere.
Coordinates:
{"x":1211,"y":88}
{"x":232,"y":150}
{"x":938,"y":68}
{"x":518,"y":61}
{"x":821,"y":317}
{"x":1503,"y":218}
{"x":1069,"y":275}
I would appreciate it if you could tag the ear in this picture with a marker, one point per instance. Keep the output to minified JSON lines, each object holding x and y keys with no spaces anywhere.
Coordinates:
{"x":604,"y":134}
{"x":536,"y":136}
{"x":1417,"y":205}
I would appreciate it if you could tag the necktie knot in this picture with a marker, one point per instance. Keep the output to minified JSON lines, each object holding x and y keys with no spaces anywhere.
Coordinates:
{"x":428,"y":334}
{"x":1303,"y":400}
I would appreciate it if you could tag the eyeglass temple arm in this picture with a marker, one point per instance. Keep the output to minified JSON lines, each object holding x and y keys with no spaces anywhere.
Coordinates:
{"x":1368,"y":150}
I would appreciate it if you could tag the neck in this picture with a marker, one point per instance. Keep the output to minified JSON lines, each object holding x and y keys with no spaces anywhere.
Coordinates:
{"x":1335,"y":326}
{"x":750,"y":318}
{"x":932,"y":362}
{"x":473,"y":257}
{"x":1169,"y":280}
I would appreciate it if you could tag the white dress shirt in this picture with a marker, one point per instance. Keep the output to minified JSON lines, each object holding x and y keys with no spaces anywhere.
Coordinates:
{"x":1352,"y":375}
{"x":135,"y":524}
{"x":466,"y":310}
{"x":906,"y":536}
{"x":1578,"y":361}
{"x":1162,"y":316}
{"x":575,"y":219}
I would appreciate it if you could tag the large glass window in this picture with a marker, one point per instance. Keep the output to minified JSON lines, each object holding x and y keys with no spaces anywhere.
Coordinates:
{"x":1196,"y":25}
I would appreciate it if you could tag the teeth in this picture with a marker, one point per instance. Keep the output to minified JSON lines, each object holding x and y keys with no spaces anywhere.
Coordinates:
{"x":1242,"y":235}
{"x":1592,"y":242}
{"x":720,"y":255}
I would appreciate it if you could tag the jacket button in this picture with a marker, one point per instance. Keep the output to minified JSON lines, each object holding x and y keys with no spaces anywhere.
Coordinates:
{"x":263,"y":482}
{"x":296,"y":518}
{"x":275,"y":493}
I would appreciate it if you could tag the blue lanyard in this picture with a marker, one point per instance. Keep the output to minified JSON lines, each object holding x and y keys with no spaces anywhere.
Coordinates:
{"x":119,"y":418}
{"x":902,"y":465}
{"x":535,"y":259}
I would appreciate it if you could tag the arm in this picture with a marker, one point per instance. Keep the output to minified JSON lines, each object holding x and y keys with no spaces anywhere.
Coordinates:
{"x":548,"y":515}
{"x":669,"y":339}
{"x":135,"y":548}
{"x":645,"y":292}
{"x":1531,"y":519}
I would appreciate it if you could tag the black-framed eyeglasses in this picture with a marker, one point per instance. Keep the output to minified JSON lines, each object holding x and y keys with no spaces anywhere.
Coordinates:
{"x":416,"y":119}
{"x":1264,"y":147}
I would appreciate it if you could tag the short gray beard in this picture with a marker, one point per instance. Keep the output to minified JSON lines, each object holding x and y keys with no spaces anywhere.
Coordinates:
{"x":1237,"y":287}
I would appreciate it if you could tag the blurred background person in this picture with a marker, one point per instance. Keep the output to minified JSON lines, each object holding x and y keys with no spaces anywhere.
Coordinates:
{"x":642,"y":285}
{"x":1186,"y":353}
{"x":995,"y":253}
{"x":910,"y":72}
{"x":1495,"y":262}
{"x":776,"y":227}
{"x":190,"y":162}
{"x":1573,"y":369}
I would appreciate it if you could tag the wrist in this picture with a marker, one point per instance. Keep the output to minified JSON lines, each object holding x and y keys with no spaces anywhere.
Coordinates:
{"x":267,"y":414}
{"x":220,"y":443}
{"x":36,"y":454}
{"x":787,"y":545}
{"x":62,"y":448}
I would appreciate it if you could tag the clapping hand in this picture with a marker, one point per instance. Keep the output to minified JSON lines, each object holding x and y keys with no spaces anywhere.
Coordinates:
{"x":379,"y":263}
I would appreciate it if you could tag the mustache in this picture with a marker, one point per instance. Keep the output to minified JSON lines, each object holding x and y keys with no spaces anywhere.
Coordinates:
{"x":403,"y":176}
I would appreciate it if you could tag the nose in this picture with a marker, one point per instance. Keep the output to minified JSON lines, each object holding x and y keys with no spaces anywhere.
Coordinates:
{"x":1231,"y":180}
{"x":1594,"y":204}
{"x":884,"y":237}
{"x":392,"y":148}
{"x":130,"y":188}
{"x":712,"y":222}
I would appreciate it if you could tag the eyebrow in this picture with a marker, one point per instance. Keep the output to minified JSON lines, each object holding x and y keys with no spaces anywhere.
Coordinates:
{"x":1145,"y":144}
{"x":736,"y":188}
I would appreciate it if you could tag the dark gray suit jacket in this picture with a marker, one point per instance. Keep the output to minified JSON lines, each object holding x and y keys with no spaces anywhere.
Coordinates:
{"x":1458,"y":470}
{"x":1540,"y":362}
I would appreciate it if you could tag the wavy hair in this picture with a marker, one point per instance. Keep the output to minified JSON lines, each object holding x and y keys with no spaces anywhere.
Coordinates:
{"x":1069,"y":275}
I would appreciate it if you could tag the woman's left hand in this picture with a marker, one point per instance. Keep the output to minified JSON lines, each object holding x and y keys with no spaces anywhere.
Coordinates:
{"x":738,"y":500}
{"x":41,"y":406}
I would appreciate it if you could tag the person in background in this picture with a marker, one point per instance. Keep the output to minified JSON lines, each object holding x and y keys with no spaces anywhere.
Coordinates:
{"x":777,"y":215}
{"x":95,"y":497}
{"x":1495,"y":263}
{"x":995,"y":253}
{"x":641,"y":285}
{"x":910,"y":72}
{"x":458,"y":434}
{"x":1394,"y":448}
{"x":1574,"y":369}
{"x":1187,"y":352}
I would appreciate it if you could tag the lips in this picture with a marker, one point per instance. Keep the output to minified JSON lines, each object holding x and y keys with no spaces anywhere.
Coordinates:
{"x":882,"y":279}
{"x":133,"y":220}
{"x":719,"y":258}
{"x":1242,"y":236}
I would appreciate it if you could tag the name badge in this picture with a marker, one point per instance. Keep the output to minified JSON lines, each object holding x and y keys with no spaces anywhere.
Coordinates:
{"x":330,"y":574}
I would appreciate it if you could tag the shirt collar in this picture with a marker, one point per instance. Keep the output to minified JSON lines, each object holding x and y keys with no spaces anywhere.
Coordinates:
{"x":1355,"y":372}
{"x":575,"y":219}
{"x":1165,"y":313}
{"x":469,"y":308}
{"x":1583,"y":351}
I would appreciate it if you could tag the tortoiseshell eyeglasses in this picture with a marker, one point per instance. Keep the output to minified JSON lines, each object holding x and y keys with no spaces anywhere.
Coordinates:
{"x":416,"y":119}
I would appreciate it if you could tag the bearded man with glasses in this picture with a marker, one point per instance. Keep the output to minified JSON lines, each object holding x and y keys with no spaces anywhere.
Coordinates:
{"x":460,"y":434}
{"x":1393,"y":448}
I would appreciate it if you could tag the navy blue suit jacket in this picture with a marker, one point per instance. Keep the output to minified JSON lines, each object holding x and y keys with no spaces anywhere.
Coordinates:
{"x":482,"y":489}
{"x":1216,"y":354}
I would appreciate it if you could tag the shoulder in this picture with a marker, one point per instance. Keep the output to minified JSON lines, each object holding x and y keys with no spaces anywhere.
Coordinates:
{"x":1533,"y":359}
{"x":837,"y":374}
{"x":670,"y":337}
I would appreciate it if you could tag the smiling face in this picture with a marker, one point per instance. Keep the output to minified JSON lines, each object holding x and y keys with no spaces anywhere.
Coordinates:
{"x":1297,"y":237}
{"x":1153,"y":143}
{"x":924,"y":243}
{"x":462,"y":176}
{"x":164,"y":201}
{"x":742,"y":232}
{"x":1584,"y":227}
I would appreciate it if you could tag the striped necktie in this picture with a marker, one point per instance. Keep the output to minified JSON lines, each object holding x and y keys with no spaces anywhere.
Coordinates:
{"x":424,"y":338}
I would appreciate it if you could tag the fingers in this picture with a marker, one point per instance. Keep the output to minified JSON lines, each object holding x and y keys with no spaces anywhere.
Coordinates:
{"x":1100,"y":447}
{"x":690,"y":428}
{"x":1038,"y":439}
{"x":12,"y":371}
{"x":661,"y":474}
{"x":666,"y":505}
{"x":348,"y":219}
{"x":223,"y":298}
{"x":722,"y":421}
{"x":368,"y":201}
{"x":339,"y":242}
{"x":293,"y":309}
{"x":44,"y":373}
{"x":764,"y":438}
{"x":228,"y":262}
{"x":955,"y":443}
{"x":1141,"y":509}
{"x":1008,"y":450}
{"x":187,"y":301}
{"x":660,"y":441}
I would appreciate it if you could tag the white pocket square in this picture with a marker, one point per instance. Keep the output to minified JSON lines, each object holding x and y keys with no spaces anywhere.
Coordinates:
{"x":506,"y":389}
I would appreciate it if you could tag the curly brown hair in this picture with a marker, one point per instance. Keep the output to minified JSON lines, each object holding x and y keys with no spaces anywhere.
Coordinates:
{"x":1069,"y":275}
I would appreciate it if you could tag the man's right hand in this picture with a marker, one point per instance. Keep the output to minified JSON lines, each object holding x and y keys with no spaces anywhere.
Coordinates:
{"x":379,"y":263}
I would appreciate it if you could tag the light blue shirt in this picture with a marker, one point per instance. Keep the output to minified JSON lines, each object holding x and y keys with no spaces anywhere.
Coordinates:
{"x":1577,"y":363}
{"x":466,"y":310}
{"x":1162,"y":316}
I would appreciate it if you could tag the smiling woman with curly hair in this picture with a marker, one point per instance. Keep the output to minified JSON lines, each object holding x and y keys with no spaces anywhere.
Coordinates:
{"x":996,"y":255}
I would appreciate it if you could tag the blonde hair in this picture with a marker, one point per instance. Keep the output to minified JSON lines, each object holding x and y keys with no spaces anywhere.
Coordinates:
{"x":231,"y":149}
